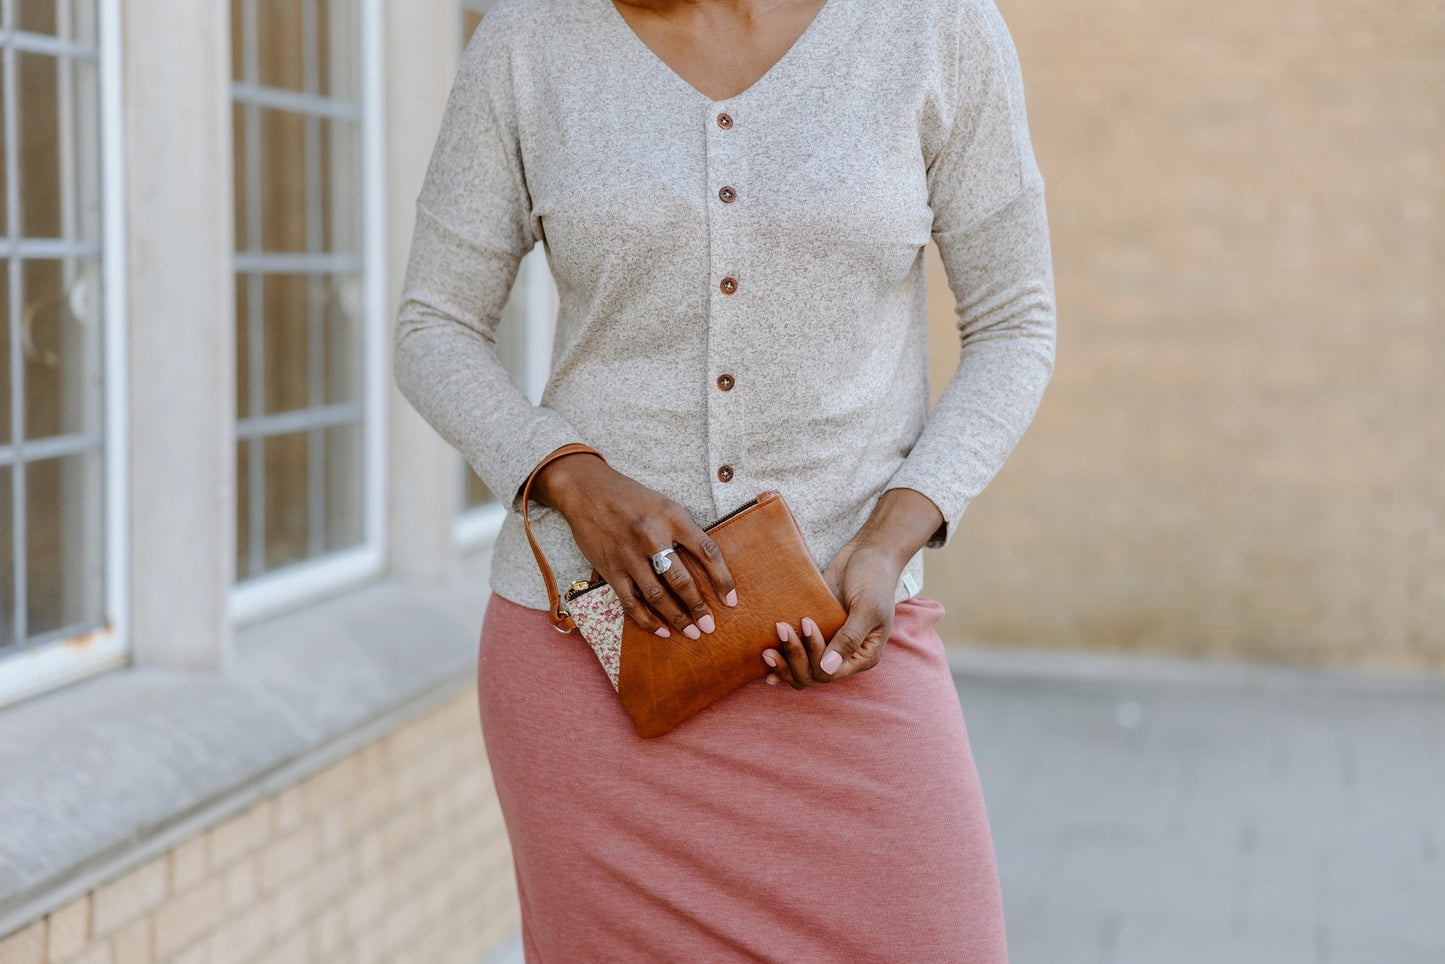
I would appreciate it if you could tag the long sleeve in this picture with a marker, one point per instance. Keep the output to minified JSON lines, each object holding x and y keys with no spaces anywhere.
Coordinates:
{"x":473,"y":226}
{"x":990,"y":226}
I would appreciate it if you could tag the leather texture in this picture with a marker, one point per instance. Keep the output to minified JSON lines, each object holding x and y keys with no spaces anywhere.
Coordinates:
{"x":663,"y":682}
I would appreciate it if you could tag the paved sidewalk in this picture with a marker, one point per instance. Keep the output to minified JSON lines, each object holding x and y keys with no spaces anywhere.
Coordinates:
{"x":1152,"y":811}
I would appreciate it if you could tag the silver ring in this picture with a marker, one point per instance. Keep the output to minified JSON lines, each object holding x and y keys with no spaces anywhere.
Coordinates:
{"x":661,"y":561}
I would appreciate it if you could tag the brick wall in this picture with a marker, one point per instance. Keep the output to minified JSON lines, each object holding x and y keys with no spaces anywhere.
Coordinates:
{"x":394,"y":854}
{"x":1241,"y":450}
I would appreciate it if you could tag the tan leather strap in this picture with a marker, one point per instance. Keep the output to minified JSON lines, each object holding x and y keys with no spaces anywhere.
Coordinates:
{"x":560,"y":617}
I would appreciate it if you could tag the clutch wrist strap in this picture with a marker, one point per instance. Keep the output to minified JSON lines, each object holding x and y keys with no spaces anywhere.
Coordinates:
{"x":561,"y":619}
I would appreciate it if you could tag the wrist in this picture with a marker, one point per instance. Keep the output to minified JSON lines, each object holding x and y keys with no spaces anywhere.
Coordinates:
{"x":562,"y":480}
{"x":902,"y":522}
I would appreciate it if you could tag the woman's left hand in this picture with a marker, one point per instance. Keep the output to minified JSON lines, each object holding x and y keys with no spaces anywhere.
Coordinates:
{"x":864,"y":576}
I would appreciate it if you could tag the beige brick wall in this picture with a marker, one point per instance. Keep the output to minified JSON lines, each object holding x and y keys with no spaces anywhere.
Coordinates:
{"x":1242,"y":451}
{"x":394,"y":854}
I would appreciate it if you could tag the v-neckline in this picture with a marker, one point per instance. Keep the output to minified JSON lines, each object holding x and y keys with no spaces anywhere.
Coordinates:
{"x":789,"y":54}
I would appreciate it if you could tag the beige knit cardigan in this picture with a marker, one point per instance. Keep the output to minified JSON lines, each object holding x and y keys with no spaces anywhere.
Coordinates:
{"x":741,"y":281}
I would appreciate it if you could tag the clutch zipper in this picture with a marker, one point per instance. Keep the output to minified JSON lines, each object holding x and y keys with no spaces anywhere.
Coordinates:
{"x":583,"y":586}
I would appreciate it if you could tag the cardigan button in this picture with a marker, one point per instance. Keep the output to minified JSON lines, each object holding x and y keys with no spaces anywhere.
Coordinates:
{"x":724,"y":121}
{"x":725,"y":382}
{"x":727,"y":195}
{"x":725,"y":474}
{"x":728,"y":285}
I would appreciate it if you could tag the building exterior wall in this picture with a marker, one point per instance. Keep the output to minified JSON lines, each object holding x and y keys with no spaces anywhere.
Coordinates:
{"x":1238,"y":454}
{"x":1240,"y":451}
{"x":394,"y":854}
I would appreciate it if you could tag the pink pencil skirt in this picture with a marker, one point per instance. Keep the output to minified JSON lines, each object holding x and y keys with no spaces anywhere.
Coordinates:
{"x":843,"y":823}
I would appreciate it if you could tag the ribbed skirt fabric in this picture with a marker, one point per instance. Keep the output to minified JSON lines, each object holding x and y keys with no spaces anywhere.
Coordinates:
{"x":843,"y":823}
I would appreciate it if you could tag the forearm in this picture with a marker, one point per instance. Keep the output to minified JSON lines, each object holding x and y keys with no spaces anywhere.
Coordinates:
{"x":900,"y":525}
{"x":1001,"y":275}
{"x":453,"y":378}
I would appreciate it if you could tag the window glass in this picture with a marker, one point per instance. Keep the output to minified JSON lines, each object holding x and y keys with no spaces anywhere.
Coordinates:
{"x":300,"y":348}
{"x":52,"y":440}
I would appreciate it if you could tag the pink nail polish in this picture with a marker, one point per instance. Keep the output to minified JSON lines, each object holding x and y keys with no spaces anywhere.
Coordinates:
{"x":830,"y":662}
{"x":782,"y":632}
{"x":810,"y":628}
{"x":772,"y":681}
{"x":768,"y":658}
{"x":663,"y":631}
{"x":732,"y":597}
{"x":706,"y":624}
{"x":691,"y":632}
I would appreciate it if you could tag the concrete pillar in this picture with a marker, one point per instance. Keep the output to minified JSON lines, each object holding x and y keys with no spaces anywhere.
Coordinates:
{"x":181,"y":303}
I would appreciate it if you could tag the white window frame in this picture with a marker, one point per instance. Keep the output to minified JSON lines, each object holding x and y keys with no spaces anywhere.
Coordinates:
{"x":40,"y":668}
{"x":283,"y":588}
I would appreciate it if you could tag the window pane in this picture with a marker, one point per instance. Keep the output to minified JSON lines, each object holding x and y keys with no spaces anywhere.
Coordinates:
{"x":339,"y":39}
{"x":58,"y":162}
{"x":307,"y":46}
{"x":35,"y":16}
{"x":60,"y":341}
{"x":247,"y":288}
{"x":344,"y":509}
{"x":300,"y":319}
{"x":340,"y":216}
{"x":286,"y":480}
{"x":69,"y":19}
{"x":238,"y":42}
{"x":305,"y":362}
{"x":283,"y":180}
{"x":4,"y":167}
{"x":52,"y":526}
{"x":39,"y":145}
{"x":279,"y":43}
{"x":310,"y":178}
{"x":239,"y":115}
{"x":63,"y":543}
{"x":343,"y":338}
{"x":5,"y":341}
{"x":7,"y":562}
{"x":243,"y":511}
{"x":285,"y":340}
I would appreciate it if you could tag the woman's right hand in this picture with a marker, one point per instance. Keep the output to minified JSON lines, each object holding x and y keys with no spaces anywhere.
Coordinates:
{"x":618,"y":524}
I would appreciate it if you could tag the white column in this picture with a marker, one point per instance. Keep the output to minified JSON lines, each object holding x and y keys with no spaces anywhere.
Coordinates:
{"x":182,"y":305}
{"x":423,"y":42}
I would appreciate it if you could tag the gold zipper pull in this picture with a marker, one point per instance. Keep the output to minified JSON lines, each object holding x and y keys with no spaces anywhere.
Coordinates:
{"x":579,"y":585}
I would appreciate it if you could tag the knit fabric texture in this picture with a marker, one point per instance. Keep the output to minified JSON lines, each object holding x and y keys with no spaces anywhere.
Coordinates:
{"x":776,"y":237}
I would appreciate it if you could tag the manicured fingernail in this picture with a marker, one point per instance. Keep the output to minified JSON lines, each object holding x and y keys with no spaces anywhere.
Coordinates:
{"x":810,"y":628}
{"x":707,"y":624}
{"x":772,"y":680}
{"x":782,"y":632}
{"x":732,"y":597}
{"x":830,"y":662}
{"x":768,"y":658}
{"x":663,"y":631}
{"x":691,"y":632}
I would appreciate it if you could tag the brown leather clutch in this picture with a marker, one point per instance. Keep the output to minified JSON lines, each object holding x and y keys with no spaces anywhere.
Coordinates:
{"x":662,"y":682}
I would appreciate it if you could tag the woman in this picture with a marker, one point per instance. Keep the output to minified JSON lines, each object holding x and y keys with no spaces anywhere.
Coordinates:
{"x":734,"y":196}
